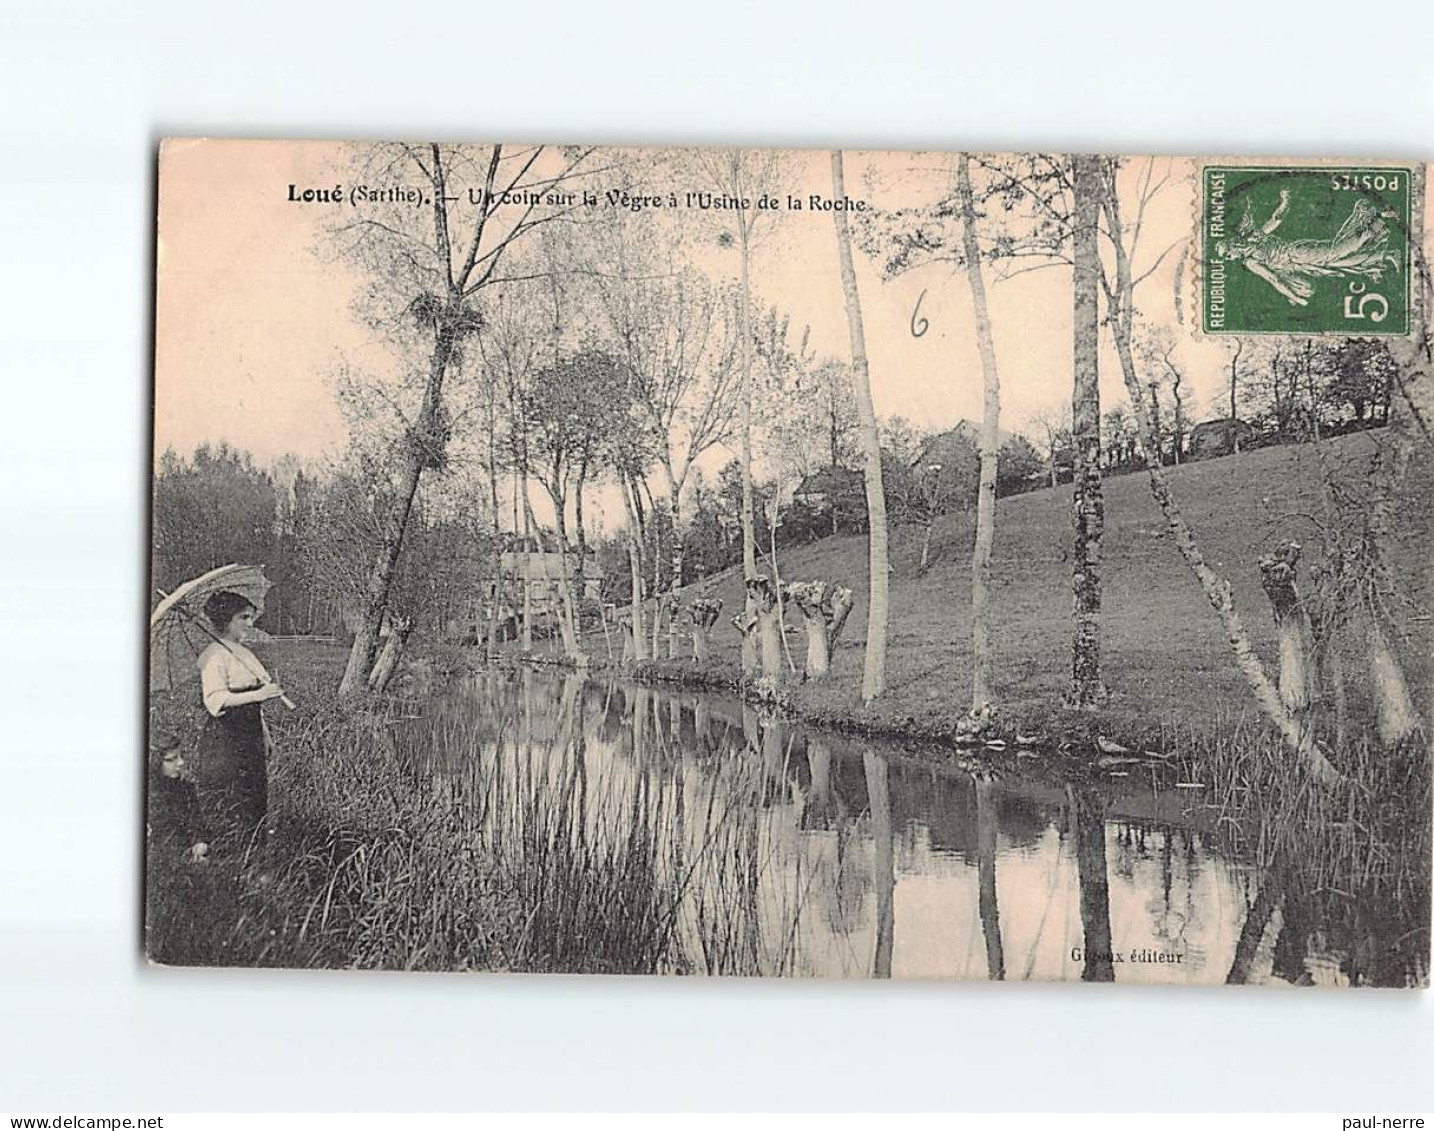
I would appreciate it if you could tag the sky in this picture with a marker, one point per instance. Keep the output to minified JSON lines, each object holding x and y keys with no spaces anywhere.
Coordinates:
{"x":255,"y":313}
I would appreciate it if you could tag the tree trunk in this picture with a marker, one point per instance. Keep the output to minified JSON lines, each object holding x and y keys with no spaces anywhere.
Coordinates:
{"x":1410,"y":474}
{"x":624,"y":624}
{"x":766,"y":600}
{"x":659,"y":599}
{"x":679,"y":556}
{"x":1088,"y":510}
{"x":981,"y":660}
{"x":570,"y":647}
{"x":1179,"y":436}
{"x":572,"y":629}
{"x":582,"y":534}
{"x":1292,"y":624}
{"x":674,"y":609}
{"x":777,"y":580}
{"x":424,"y":446}
{"x":703,"y":613}
{"x":1398,"y":719}
{"x":824,"y":608}
{"x":873,"y":681}
{"x":1217,"y":591}
{"x":1155,"y":424}
{"x":634,"y":561}
{"x":389,"y":655}
{"x":926,"y":547}
{"x":744,"y":326}
{"x":520,"y":492}
{"x":489,"y":641}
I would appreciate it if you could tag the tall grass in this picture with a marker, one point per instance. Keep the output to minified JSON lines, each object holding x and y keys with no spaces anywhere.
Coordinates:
{"x":618,"y":866}
{"x":1357,"y":856}
{"x":475,"y":837}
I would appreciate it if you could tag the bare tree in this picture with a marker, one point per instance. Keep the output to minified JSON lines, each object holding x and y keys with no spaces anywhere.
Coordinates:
{"x":1120,"y":296}
{"x":1155,"y":349}
{"x":431,"y":276}
{"x":678,"y":334}
{"x":1234,"y":399}
{"x":745,"y":176}
{"x":1054,"y":426}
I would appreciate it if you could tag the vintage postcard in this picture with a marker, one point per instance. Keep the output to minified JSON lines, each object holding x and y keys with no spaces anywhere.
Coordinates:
{"x":791,"y":563}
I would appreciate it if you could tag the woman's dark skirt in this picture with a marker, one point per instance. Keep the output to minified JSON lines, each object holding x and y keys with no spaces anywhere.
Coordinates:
{"x":231,"y":771}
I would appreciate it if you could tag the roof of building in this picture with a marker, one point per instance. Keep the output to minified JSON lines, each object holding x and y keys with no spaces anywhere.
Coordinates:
{"x":546,"y":564}
{"x":964,"y":432}
{"x":1220,"y":424}
{"x":826,"y":480}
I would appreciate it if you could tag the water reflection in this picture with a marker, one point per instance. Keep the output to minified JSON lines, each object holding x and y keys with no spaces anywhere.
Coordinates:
{"x":692,"y":833}
{"x":986,"y":827}
{"x":1096,"y":953}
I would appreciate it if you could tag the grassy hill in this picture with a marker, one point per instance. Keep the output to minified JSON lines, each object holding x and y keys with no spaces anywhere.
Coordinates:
{"x":1165,"y":657}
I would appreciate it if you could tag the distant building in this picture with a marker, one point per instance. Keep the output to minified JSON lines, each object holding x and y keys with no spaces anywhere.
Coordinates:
{"x":1218,"y":438}
{"x":961,"y":442}
{"x":542,"y":572}
{"x":821,"y":489}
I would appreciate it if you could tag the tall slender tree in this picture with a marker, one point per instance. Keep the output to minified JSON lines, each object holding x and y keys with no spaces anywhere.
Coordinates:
{"x":744,"y":176}
{"x":873,"y":681}
{"x":981,"y":683}
{"x":1087,"y":689}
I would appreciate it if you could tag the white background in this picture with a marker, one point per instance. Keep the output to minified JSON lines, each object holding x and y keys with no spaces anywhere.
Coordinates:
{"x":85,"y":92}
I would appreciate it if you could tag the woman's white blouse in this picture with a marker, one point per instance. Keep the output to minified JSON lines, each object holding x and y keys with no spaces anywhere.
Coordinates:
{"x":226,"y":669}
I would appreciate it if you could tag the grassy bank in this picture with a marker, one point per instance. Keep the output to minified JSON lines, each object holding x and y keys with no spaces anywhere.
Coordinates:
{"x":473,"y":842}
{"x":353,"y":868}
{"x":1165,"y":658}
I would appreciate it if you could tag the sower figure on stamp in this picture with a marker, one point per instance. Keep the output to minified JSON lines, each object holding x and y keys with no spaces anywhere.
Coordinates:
{"x":1360,"y":247}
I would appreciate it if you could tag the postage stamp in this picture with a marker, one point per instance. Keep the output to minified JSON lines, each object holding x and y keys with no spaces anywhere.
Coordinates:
{"x":1320,"y":249}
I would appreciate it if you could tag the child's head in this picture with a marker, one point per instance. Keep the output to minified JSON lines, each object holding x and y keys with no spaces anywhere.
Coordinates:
{"x":166,"y":756}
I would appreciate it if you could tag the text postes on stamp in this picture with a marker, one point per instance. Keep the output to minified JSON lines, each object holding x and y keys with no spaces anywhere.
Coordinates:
{"x":1318,"y":249}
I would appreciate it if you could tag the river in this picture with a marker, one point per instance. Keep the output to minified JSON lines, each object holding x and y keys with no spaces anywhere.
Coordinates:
{"x":753,"y":845}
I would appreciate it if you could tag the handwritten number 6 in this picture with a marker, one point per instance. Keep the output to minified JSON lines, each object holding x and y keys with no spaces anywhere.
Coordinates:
{"x":919,"y":324}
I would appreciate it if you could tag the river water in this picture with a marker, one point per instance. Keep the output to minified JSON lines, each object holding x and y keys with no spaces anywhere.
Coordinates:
{"x":785,"y":850}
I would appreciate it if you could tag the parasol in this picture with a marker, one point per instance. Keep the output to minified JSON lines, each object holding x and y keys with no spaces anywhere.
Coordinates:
{"x":179,"y":630}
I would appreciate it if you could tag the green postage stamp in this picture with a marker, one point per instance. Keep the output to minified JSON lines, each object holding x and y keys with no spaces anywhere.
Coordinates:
{"x":1320,"y":249}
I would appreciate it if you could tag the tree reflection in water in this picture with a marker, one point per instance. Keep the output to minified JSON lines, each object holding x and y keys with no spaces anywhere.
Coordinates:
{"x":1088,"y":813}
{"x":878,"y":796}
{"x":646,"y":831}
{"x":986,"y":851}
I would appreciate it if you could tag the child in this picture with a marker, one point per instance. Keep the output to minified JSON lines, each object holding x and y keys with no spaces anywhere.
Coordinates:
{"x":173,"y":804}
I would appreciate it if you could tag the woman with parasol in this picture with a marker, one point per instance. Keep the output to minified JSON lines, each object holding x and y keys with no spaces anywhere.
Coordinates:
{"x":234,"y":745}
{"x":214,"y":616}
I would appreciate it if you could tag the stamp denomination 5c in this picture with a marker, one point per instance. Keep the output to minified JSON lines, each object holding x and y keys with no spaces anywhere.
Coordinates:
{"x":1320,"y":249}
